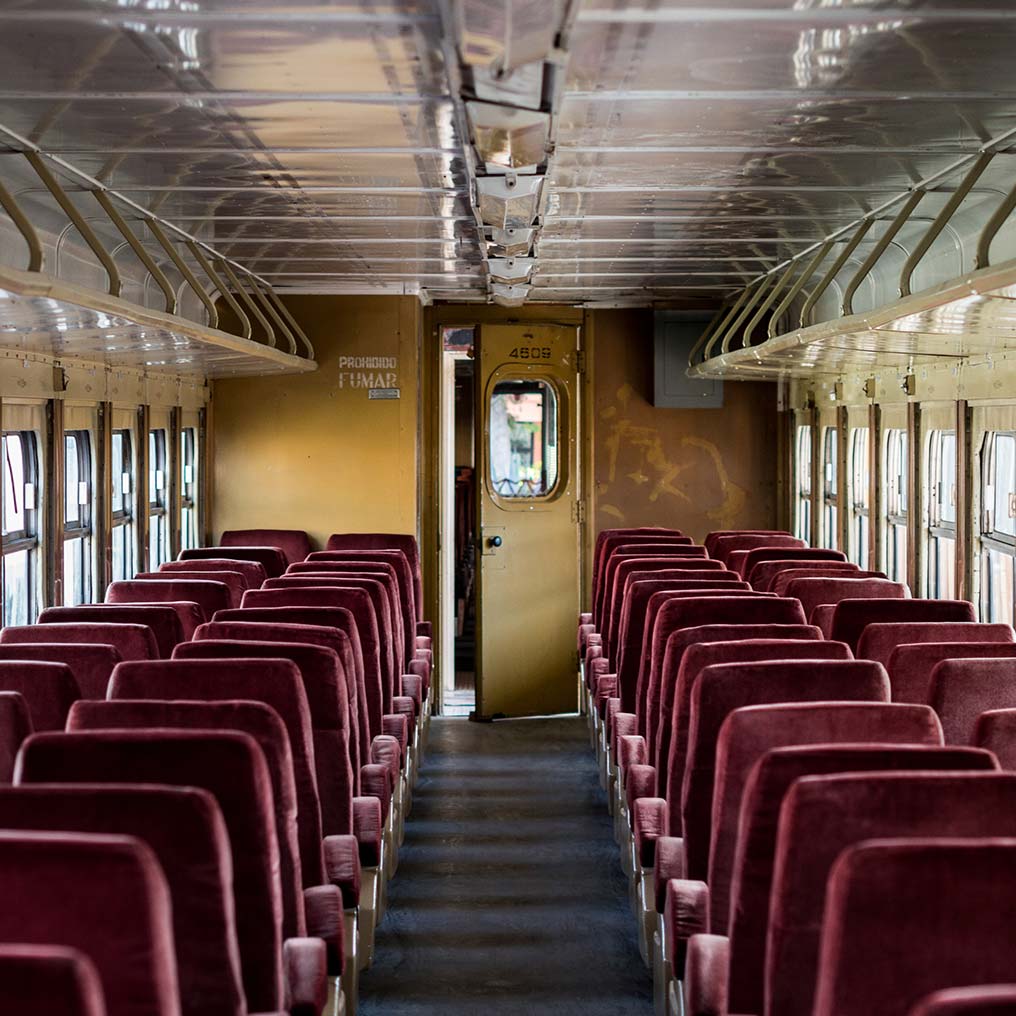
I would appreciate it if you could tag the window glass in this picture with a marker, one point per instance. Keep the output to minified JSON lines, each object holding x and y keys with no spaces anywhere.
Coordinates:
{"x":860,"y":472}
{"x":122,"y":483}
{"x":998,"y":526}
{"x":941,"y":499}
{"x":895,"y":494}
{"x":158,"y":530}
{"x":523,"y":439}
{"x":188,"y":488}
{"x":20,"y":529}
{"x":77,"y":578}
{"x":14,"y":484}
{"x":803,"y":519}
{"x":830,"y":511}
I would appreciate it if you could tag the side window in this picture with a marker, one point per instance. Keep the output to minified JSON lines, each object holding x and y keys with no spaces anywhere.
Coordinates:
{"x":802,"y":517}
{"x":523,"y":439}
{"x":941,"y":496}
{"x":189,"y":488}
{"x":21,"y":533}
{"x":830,"y":499}
{"x":860,"y":476}
{"x":122,"y":498}
{"x":158,"y":521}
{"x":998,"y":525}
{"x":77,"y":538}
{"x":895,"y":499}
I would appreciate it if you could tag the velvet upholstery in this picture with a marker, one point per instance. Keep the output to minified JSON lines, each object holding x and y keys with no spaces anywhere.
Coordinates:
{"x":880,"y":639}
{"x":995,"y":730}
{"x":722,"y":688}
{"x":131,"y":641}
{"x":960,"y":690}
{"x":641,"y":556}
{"x":749,"y":559}
{"x":710,"y":541}
{"x":723,"y":545}
{"x":674,"y":724}
{"x":209,"y":594}
{"x":755,"y":855}
{"x":236,"y":582}
{"x":828,"y":589}
{"x":252,"y":571}
{"x":231,"y":767}
{"x":981,"y":1000}
{"x":162,"y":618}
{"x":764,"y":575}
{"x":851,"y":617}
{"x":271,"y":559}
{"x":403,"y":542}
{"x":294,"y":543}
{"x":121,"y":917}
{"x":910,"y":665}
{"x":607,"y":539}
{"x":328,"y":704}
{"x":915,"y":916}
{"x":185,"y":830}
{"x":91,"y":664}
{"x":49,"y":978}
{"x":822,"y":816}
{"x":49,"y":690}
{"x":15,"y":726}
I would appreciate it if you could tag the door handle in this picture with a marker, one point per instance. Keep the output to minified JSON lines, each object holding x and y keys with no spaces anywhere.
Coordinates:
{"x":494,"y":541}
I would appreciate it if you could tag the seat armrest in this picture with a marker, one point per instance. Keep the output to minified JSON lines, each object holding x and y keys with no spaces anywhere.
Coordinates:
{"x":631,"y":748}
{"x":640,"y":782}
{"x":368,"y":822}
{"x":342,"y":867}
{"x":606,"y":687}
{"x":396,"y":724}
{"x":305,"y":965}
{"x":707,"y":970}
{"x":649,"y":822}
{"x":385,"y":751}
{"x":610,"y":710}
{"x":412,"y":687}
{"x":323,"y":906}
{"x":685,"y":913}
{"x":670,"y":863}
{"x":425,"y":628}
{"x":585,"y":630}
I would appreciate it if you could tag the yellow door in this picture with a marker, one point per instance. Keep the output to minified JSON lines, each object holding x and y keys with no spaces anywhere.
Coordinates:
{"x":528,"y":574}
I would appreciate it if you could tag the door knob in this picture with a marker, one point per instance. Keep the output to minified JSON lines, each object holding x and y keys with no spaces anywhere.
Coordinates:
{"x":494,"y":541}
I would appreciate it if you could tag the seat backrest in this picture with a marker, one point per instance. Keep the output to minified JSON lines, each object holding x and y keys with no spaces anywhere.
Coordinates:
{"x":252,"y":571}
{"x":209,"y":594}
{"x":764,"y":575}
{"x":50,"y":978}
{"x":325,"y":635}
{"x":185,"y":829}
{"x":851,"y":617}
{"x":121,"y":917}
{"x":910,"y":665}
{"x":960,"y":690}
{"x":746,"y":560}
{"x":325,"y":688}
{"x":131,"y":641}
{"x":884,"y":949}
{"x":672,"y":615}
{"x":270,"y":558}
{"x":15,"y":726}
{"x":234,"y":581}
{"x":722,"y":688}
{"x":162,"y":618}
{"x":822,"y":816}
{"x":995,"y":730}
{"x":607,"y":539}
{"x":826,"y":589}
{"x":231,"y":767}
{"x":403,"y":542}
{"x":725,"y":545}
{"x":674,"y":723}
{"x":640,"y":556}
{"x":748,"y":733}
{"x":755,"y":854}
{"x":982,"y":1000}
{"x":91,"y":664}
{"x":294,"y":543}
{"x":49,"y":690}
{"x":711,"y":538}
{"x":275,"y":682}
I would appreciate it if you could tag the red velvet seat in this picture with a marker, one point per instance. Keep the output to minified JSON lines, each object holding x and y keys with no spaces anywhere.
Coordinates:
{"x":734,"y":968}
{"x":232,"y":767}
{"x":209,"y":594}
{"x":607,"y":539}
{"x":744,"y":561}
{"x":812,"y":592}
{"x":252,"y":571}
{"x":910,"y":665}
{"x":765,"y":573}
{"x":49,"y":690}
{"x":15,"y":726}
{"x":131,"y":641}
{"x":164,"y":619}
{"x":731,"y":543}
{"x":711,"y":538}
{"x":185,"y":830}
{"x":995,"y":731}
{"x":960,"y":690}
{"x":879,"y":641}
{"x":121,"y":916}
{"x":270,"y":558}
{"x":640,"y":556}
{"x":294,"y":543}
{"x":982,"y":1000}
{"x":887,"y":904}
{"x":50,"y":978}
{"x":234,"y":581}
{"x":403,"y":542}
{"x":91,"y":665}
{"x":851,"y":617}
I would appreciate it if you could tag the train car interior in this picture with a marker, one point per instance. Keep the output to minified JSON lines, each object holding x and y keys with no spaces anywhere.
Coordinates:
{"x":509,"y":507}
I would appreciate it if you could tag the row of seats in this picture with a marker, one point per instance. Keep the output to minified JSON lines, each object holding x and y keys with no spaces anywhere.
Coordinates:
{"x":812,"y":777}
{"x":204,"y":780}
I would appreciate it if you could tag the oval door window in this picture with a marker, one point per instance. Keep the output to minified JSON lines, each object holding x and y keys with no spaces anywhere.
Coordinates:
{"x":522,"y":421}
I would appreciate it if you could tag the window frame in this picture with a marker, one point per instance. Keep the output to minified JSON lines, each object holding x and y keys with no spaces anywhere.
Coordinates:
{"x":803,"y":494}
{"x":830,"y":487}
{"x":859,"y":495}
{"x":895,"y":458}
{"x":158,"y":500}
{"x":29,"y":538}
{"x":83,"y":529}
{"x":190,"y":496}
{"x":938,"y":528}
{"x":125,"y":516}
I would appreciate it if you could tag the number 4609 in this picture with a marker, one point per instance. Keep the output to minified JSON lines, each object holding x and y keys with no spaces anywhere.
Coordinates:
{"x":530,"y":353}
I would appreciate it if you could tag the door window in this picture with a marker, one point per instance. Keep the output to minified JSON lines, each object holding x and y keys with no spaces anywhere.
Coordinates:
{"x":523,"y":428}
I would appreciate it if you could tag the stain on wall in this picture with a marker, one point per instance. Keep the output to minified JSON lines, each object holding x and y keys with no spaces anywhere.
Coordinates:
{"x":696,"y":469}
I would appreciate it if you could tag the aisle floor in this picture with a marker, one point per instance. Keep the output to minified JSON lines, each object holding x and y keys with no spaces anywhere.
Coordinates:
{"x":509,"y":897}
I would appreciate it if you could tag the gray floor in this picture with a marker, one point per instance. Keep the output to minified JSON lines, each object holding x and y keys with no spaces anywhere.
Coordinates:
{"x":509,"y":897}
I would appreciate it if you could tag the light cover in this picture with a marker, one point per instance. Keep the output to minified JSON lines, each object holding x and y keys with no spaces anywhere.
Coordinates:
{"x":510,"y":201}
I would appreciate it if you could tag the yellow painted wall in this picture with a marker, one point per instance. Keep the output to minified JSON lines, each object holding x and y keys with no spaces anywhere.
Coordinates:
{"x":310,"y":452}
{"x":696,"y":469}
